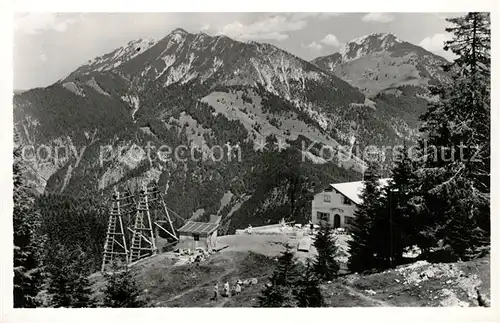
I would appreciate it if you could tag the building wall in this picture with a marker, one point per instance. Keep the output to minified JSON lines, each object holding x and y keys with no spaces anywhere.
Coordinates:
{"x":213,"y":241}
{"x":335,"y":206}
{"x":186,"y":241}
{"x":207,"y":242}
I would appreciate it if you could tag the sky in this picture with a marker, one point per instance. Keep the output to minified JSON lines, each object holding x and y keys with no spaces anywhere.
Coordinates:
{"x":48,"y":46}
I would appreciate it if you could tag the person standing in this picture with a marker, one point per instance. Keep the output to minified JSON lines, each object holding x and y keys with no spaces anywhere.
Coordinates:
{"x":216,"y":292}
{"x":226,"y":289}
{"x":237,"y":288}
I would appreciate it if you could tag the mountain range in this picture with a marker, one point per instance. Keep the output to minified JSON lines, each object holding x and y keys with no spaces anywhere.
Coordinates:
{"x":200,"y":91}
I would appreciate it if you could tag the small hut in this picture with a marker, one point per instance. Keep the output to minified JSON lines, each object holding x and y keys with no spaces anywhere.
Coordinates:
{"x":194,"y":235}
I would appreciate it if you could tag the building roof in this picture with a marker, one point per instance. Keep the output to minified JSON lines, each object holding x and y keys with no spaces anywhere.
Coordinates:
{"x":352,"y":190}
{"x":199,"y":227}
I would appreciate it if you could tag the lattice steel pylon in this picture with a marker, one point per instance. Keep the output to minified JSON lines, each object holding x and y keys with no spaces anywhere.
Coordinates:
{"x":152,"y":214}
{"x":115,"y":245}
{"x":143,"y":237}
{"x":159,"y":208}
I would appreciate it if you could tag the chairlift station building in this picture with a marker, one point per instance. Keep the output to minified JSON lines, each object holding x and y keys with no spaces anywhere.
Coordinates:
{"x":194,"y":235}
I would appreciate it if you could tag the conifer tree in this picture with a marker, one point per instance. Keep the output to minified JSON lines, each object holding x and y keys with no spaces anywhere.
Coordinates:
{"x":361,"y":247}
{"x":309,"y":293}
{"x":277,"y":296}
{"x":74,"y":222}
{"x":325,"y":265}
{"x":67,"y":271}
{"x":26,"y":269}
{"x":121,"y":290}
{"x":402,"y":189}
{"x":281,"y":292}
{"x":394,"y":226}
{"x":455,"y":178}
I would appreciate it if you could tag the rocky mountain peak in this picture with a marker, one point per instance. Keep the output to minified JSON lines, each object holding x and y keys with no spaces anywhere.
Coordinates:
{"x":375,"y":42}
{"x":179,"y":31}
{"x":380,"y":61}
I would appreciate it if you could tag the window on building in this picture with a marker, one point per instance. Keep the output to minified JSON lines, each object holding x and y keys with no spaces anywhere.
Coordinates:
{"x":322,"y":216}
{"x":196,"y":237}
{"x":347,"y":201}
{"x":328,"y":198}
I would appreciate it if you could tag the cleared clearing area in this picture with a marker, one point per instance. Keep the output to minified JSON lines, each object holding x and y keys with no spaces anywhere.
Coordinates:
{"x":167,"y":283}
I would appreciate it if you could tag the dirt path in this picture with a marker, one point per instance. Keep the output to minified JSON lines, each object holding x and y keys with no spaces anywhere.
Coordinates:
{"x":187,"y":291}
{"x":367,"y":298}
{"x":223,"y":302}
{"x":198,"y":286}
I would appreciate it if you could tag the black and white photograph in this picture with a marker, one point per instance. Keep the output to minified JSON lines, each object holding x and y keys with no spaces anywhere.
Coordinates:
{"x":251,"y":160}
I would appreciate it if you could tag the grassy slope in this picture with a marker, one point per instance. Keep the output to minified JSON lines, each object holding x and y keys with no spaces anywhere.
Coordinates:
{"x":190,"y":285}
